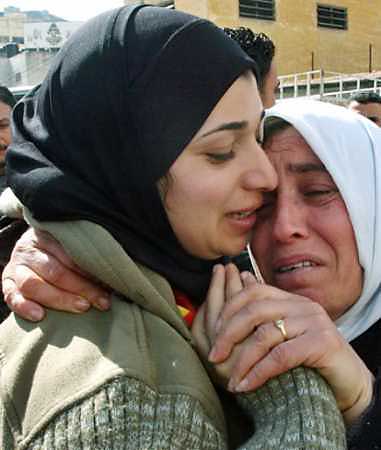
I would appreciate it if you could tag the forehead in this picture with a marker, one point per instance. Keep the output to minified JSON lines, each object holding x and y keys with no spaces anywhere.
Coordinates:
{"x":5,"y":110}
{"x":289,"y":143}
{"x":367,"y":107}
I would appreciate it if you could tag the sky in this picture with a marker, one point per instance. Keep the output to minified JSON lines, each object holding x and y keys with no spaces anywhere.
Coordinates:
{"x":67,"y":9}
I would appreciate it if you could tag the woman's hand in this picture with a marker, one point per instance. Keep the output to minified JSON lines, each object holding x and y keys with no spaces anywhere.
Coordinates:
{"x":40,"y":273}
{"x":204,"y":327}
{"x":253,"y":350}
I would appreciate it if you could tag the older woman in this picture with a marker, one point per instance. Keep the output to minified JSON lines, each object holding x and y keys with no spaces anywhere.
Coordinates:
{"x":146,"y":186}
{"x":318,"y":236}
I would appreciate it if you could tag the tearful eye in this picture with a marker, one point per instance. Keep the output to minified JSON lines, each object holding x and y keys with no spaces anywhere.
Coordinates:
{"x":320,"y":192}
{"x":220,"y":157}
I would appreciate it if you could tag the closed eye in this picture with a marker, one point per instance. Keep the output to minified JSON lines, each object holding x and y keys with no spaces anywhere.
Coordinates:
{"x":220,"y":157}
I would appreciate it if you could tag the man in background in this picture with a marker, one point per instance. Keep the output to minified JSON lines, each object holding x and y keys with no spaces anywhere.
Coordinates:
{"x":368,"y":104}
{"x":7,"y":102}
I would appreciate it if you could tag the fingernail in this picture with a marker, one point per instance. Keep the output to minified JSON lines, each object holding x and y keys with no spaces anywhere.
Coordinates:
{"x":212,"y":355}
{"x":243,"y":385}
{"x":81,"y":304}
{"x":36,"y":314}
{"x":232,"y":384}
{"x":104,"y":303}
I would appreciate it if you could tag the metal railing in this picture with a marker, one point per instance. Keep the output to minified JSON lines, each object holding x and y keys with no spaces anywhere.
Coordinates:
{"x":319,"y":84}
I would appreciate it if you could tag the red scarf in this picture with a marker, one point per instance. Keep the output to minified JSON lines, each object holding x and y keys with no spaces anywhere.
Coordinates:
{"x":186,"y":309}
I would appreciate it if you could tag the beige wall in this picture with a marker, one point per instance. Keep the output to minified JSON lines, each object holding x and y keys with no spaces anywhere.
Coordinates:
{"x":12,"y":25}
{"x":297,"y":36}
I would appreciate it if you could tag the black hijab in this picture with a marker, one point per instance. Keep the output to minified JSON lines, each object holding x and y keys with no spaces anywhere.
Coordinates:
{"x":122,"y":99}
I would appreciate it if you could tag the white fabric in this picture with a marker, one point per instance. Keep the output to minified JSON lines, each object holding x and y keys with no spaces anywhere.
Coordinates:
{"x":349,"y":146}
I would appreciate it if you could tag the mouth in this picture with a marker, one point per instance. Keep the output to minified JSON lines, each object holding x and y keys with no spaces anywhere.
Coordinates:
{"x":242,"y":221}
{"x":240,"y":215}
{"x":294,"y":267}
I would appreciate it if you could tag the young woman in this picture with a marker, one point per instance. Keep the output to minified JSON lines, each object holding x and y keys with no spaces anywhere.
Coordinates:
{"x":318,"y":236}
{"x":146,"y":186}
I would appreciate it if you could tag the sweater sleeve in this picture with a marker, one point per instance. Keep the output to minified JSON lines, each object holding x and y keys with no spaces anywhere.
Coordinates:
{"x":296,"y":410}
{"x":365,"y":433}
{"x":126,"y":414}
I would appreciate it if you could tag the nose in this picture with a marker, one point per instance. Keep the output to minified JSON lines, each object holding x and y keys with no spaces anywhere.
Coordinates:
{"x":289,"y":220}
{"x":260,"y":175}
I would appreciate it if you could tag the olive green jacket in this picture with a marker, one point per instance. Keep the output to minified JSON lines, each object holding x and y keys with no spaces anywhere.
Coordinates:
{"x":130,"y":378}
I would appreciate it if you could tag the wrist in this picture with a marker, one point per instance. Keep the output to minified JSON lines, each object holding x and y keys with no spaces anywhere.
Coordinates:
{"x":361,"y":403}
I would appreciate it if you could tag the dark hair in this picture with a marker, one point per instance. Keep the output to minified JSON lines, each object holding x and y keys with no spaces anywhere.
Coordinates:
{"x":273,"y":125}
{"x":257,"y":45}
{"x":365,"y":97}
{"x":7,"y":97}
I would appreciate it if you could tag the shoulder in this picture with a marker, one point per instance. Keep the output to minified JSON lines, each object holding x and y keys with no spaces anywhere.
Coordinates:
{"x":49,"y":366}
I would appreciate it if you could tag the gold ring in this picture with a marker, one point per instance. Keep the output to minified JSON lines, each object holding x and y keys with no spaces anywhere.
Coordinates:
{"x":280,"y":325}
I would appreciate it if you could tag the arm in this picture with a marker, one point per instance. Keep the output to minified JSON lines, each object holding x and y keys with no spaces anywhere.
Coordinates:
{"x":365,"y":432}
{"x":39,"y":271}
{"x":125,"y":413}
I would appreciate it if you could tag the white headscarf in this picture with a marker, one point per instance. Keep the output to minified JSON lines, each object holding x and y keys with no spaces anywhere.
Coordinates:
{"x":349,"y":146}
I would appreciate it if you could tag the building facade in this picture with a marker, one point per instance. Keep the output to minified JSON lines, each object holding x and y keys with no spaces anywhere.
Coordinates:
{"x":341,"y":36}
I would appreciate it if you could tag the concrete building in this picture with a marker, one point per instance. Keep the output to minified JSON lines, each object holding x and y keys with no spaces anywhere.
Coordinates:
{"x":335,"y":35}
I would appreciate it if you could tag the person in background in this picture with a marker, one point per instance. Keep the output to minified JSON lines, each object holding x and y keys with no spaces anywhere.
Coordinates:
{"x":146,"y":186}
{"x":262,"y":49}
{"x":7,"y":102}
{"x":367,"y":104}
{"x":10,"y":229}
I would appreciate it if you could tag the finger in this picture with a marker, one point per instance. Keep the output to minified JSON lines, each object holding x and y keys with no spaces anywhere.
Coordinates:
{"x":261,"y":342}
{"x":233,"y":281}
{"x":248,"y":279}
{"x":32,"y":287}
{"x":262,"y":303}
{"x":20,"y":305}
{"x":282,"y":358}
{"x":304,"y":348}
{"x":200,"y":336}
{"x":47,"y":244}
{"x":214,"y":301}
{"x":45,"y":266}
{"x":255,"y":314}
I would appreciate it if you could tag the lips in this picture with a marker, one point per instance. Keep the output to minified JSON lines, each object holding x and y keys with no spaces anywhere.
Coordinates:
{"x":292,"y":267}
{"x":241,"y":214}
{"x":242,"y":221}
{"x":295,"y":265}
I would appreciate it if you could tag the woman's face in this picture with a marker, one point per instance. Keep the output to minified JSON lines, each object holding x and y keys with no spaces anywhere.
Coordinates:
{"x":303,"y":238}
{"x":216,"y":184}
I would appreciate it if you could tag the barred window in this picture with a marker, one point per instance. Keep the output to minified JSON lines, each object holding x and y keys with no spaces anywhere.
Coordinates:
{"x":332,"y":17}
{"x":257,"y":9}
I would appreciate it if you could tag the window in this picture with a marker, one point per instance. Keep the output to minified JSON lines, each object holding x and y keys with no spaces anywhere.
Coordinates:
{"x":332,"y":17}
{"x":257,"y":9}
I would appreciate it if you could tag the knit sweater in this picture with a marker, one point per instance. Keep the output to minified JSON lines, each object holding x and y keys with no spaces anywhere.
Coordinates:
{"x":131,"y":379}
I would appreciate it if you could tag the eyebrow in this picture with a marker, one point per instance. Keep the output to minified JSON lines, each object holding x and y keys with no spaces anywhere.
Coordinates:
{"x":306,"y":167}
{"x":238,"y":125}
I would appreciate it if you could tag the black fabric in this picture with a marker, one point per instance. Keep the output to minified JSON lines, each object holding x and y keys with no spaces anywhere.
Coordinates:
{"x":122,"y":99}
{"x":365,"y":434}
